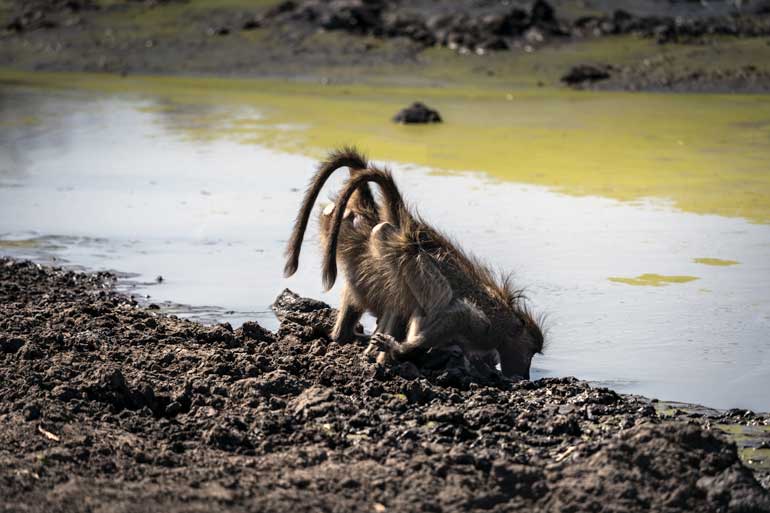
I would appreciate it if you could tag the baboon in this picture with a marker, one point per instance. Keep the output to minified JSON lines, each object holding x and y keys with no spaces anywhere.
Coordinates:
{"x":361,"y":215}
{"x":424,"y":290}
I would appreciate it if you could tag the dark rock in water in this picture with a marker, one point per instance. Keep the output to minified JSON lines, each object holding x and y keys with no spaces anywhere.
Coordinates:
{"x":417,"y":112}
{"x":585,"y":73}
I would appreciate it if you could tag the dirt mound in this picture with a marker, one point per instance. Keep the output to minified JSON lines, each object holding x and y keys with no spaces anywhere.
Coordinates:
{"x":108,"y":405}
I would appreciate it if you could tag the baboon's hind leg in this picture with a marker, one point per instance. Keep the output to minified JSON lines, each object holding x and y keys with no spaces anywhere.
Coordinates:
{"x":442,"y":326}
{"x":390,"y":324}
{"x":439,"y":317}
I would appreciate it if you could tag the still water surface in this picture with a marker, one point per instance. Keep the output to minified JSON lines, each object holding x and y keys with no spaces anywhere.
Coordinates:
{"x":640,"y":296}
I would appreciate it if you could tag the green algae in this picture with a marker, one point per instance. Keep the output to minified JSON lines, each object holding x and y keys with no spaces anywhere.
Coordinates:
{"x":21,"y":121}
{"x":20,"y":244}
{"x":38,"y":243}
{"x":653,"y":280}
{"x":752,"y":442}
{"x":715,"y":262}
{"x":705,"y":154}
{"x":751,"y":439}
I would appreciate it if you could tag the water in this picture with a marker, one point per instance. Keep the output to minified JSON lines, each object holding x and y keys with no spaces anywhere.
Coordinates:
{"x":640,"y":295}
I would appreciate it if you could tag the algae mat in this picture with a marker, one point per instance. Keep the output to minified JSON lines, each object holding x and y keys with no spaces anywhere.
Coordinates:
{"x":705,"y":154}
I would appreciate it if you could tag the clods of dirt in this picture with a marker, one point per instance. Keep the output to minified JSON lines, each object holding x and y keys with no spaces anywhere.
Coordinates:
{"x":474,"y":30}
{"x":417,"y":112}
{"x":110,"y":405}
{"x":310,"y":37}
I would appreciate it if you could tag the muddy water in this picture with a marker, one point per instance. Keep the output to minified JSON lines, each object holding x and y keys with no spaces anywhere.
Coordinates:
{"x":662,"y":294}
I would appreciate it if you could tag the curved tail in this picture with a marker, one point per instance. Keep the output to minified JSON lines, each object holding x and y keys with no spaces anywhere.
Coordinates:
{"x":393,"y":210}
{"x":344,"y":157}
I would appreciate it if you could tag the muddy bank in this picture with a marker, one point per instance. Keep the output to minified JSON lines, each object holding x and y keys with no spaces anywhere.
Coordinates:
{"x":106,"y":404}
{"x":679,"y":46}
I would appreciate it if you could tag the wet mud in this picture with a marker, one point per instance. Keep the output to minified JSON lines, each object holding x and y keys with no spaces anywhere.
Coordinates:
{"x":107,"y":404}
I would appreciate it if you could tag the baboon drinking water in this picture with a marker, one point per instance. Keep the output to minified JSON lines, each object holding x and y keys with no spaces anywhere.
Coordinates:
{"x":424,"y":290}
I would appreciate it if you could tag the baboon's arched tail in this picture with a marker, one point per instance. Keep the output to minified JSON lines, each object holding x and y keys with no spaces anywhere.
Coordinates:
{"x":344,"y":157}
{"x":393,"y":210}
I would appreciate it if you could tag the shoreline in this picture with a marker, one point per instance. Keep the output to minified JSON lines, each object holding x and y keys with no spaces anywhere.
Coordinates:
{"x":689,"y":49}
{"x":113,"y":401}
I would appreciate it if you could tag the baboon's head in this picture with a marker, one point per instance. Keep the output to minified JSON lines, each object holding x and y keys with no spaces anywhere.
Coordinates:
{"x":518,"y":331}
{"x":521,"y":343}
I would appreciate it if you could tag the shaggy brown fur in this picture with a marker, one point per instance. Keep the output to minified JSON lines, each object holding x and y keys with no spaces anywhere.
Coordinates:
{"x":414,"y":278}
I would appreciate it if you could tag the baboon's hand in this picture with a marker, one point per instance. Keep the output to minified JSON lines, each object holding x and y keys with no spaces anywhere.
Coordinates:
{"x":387,"y":345}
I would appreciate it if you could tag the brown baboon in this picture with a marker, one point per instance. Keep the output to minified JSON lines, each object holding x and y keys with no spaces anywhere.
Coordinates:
{"x":412,"y":274}
{"x":360,"y":215}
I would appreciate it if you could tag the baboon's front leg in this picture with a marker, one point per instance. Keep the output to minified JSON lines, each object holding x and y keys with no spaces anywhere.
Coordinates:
{"x":349,"y":314}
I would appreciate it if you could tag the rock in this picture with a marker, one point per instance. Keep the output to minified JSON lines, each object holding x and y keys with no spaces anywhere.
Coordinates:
{"x":253,"y":331}
{"x":408,"y":371}
{"x":579,"y":75}
{"x":411,"y":27}
{"x":351,"y":15}
{"x":522,"y":480}
{"x":448,"y":414}
{"x":281,"y":8}
{"x":516,"y":22}
{"x":65,"y":393}
{"x":226,"y":438}
{"x":304,"y":318}
{"x":417,"y":113}
{"x":542,"y":13}
{"x":492,"y":44}
{"x":251,"y":24}
{"x":217,"y":31}
{"x":279,"y":382}
{"x":173,"y":409}
{"x":291,"y":302}
{"x":313,"y":402}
